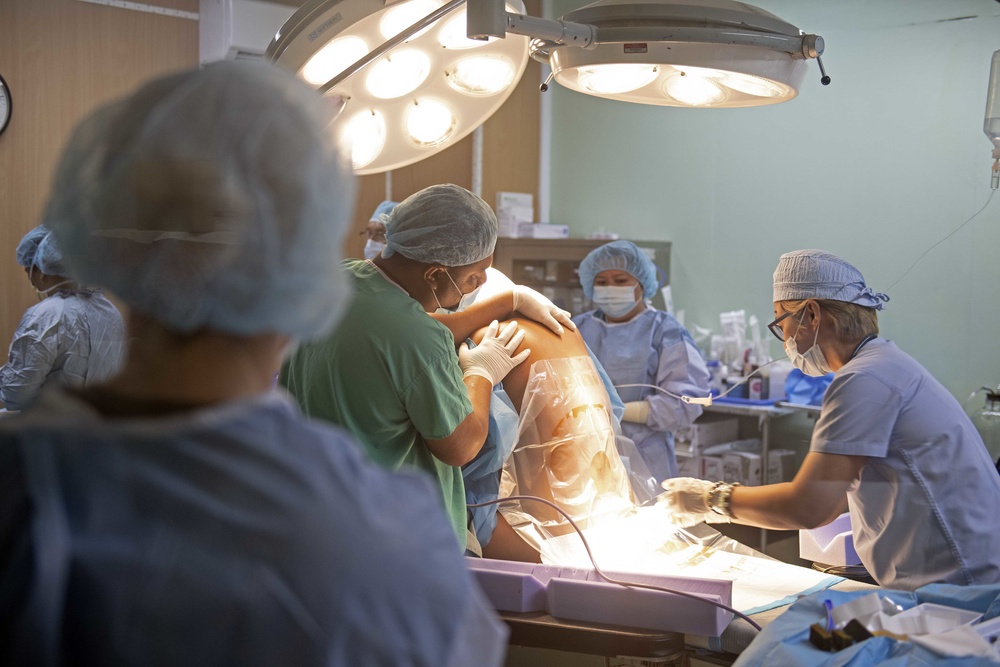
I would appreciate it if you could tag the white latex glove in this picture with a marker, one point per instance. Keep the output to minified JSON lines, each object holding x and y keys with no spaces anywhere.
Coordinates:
{"x":492,"y":357}
{"x":536,"y":307}
{"x":636,"y":411}
{"x":687,"y":500}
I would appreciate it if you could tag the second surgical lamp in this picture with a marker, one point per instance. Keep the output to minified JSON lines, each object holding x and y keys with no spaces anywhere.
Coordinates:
{"x":409,"y":78}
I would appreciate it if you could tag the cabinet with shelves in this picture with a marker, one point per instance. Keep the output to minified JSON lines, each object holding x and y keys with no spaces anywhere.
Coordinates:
{"x":550,"y":266}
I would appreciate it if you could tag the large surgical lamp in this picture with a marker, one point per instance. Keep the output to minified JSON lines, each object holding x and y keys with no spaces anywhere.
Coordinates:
{"x":409,"y":78}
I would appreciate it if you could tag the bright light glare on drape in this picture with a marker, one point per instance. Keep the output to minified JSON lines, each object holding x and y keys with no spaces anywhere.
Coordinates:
{"x":398,"y":74}
{"x":482,"y":75}
{"x":333,"y":59}
{"x":616,"y":77}
{"x":366,"y":134}
{"x":429,"y":122}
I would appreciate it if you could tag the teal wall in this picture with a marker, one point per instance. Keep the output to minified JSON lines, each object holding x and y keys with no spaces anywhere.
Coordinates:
{"x":876,"y":167}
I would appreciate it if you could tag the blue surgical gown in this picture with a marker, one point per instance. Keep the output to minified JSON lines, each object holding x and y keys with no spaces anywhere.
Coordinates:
{"x":72,"y":338}
{"x":651,"y":348}
{"x":242,"y":534}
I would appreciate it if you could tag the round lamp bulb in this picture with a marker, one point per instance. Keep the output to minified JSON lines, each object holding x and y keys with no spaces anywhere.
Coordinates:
{"x":482,"y":75}
{"x":366,"y":134}
{"x":333,"y":59}
{"x":398,"y":74}
{"x":429,"y":122}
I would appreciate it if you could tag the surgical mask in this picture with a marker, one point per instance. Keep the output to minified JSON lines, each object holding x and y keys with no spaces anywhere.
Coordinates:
{"x":615,"y":301}
{"x":42,"y":294}
{"x":463,"y":303}
{"x":373,"y":248}
{"x":812,"y":361}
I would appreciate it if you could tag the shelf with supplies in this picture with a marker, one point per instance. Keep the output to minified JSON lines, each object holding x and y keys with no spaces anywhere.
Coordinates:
{"x":550,"y":266}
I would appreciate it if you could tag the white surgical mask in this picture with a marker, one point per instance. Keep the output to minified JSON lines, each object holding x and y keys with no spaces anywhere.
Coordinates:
{"x":373,"y":248}
{"x":615,"y":301}
{"x":463,"y":303}
{"x":812,"y":361}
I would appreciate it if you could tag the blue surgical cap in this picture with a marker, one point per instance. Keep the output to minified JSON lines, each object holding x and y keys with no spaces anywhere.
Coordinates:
{"x":382,"y":211}
{"x":621,"y":256}
{"x":815,"y":274}
{"x":28,"y":246}
{"x":442,"y":224}
{"x":49,"y":259}
{"x":210,"y":199}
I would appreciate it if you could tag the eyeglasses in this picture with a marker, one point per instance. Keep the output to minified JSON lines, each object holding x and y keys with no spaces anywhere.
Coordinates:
{"x":775,"y":328}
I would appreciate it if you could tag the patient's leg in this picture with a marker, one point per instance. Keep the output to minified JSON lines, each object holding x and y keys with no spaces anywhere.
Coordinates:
{"x":566,"y":452}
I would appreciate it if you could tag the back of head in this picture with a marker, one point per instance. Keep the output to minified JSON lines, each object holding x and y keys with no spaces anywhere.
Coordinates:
{"x":27,"y":248}
{"x":49,"y":259}
{"x":442,"y":224}
{"x":210,"y":199}
{"x":815,"y":274}
{"x":620,"y":256}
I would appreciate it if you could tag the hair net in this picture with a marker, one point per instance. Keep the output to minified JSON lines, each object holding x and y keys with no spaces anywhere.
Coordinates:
{"x":28,"y":246}
{"x":814,"y":274}
{"x":442,"y":224}
{"x":382,"y":211}
{"x":211,"y":198}
{"x":48,"y":258}
{"x":622,"y":256}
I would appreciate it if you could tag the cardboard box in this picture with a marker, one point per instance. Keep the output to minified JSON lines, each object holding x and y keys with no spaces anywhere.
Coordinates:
{"x":542,"y":230}
{"x":515,"y":199}
{"x":780,"y":466}
{"x":690,"y":466}
{"x":712,"y":467}
{"x":707,"y":430}
{"x":742,"y":467}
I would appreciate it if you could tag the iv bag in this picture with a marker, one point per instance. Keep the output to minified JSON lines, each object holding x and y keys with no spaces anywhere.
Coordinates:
{"x":991,"y":125}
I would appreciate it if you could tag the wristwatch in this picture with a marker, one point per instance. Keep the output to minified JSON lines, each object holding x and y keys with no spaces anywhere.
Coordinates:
{"x":719,"y":497}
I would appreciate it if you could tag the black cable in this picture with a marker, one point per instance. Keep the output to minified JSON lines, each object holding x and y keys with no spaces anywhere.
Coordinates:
{"x":626,"y":584}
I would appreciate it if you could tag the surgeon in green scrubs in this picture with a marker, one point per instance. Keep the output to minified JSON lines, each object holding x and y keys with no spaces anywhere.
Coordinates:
{"x":390,"y":374}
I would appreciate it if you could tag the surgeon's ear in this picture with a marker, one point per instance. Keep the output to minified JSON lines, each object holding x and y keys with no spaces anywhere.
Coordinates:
{"x":812,"y":313}
{"x":434,"y":274}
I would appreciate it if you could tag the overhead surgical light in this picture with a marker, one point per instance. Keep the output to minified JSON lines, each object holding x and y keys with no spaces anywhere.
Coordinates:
{"x":412,"y":77}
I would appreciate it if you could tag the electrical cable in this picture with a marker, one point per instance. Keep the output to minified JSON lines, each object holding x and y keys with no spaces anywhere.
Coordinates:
{"x":619,"y":582}
{"x":988,"y":199}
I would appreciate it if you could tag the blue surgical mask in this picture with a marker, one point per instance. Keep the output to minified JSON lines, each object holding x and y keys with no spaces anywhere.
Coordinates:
{"x":811,"y":362}
{"x":463,"y":303}
{"x":373,"y":248}
{"x":615,"y":301}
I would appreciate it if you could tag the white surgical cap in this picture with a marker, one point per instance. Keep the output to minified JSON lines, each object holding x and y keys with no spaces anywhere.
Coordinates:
{"x":48,"y":258}
{"x":28,"y":246}
{"x":211,"y":199}
{"x":622,"y":256}
{"x":382,"y":211}
{"x":814,"y":274}
{"x":442,"y":224}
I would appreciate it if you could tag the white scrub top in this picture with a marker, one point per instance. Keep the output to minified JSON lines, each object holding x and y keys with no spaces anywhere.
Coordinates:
{"x":242,"y":534}
{"x":926,"y":506}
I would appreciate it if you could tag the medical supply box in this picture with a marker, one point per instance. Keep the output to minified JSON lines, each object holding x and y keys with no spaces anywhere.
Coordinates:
{"x":708,"y":430}
{"x":542,"y":230}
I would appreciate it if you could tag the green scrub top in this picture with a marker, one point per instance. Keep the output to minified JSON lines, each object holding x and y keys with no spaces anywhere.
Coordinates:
{"x":389,"y":374}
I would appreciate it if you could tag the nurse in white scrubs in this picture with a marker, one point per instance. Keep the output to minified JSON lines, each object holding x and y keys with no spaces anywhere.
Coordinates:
{"x":891,"y":445}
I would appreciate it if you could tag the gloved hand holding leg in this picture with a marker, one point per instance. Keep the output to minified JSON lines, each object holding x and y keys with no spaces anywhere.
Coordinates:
{"x":493,"y":357}
{"x":537,"y":307}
